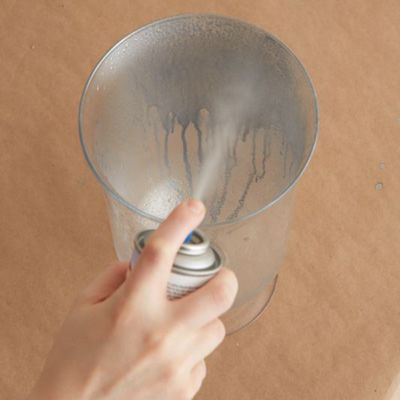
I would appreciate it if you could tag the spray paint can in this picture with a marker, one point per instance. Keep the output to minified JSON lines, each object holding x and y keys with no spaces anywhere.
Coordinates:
{"x":196,"y":263}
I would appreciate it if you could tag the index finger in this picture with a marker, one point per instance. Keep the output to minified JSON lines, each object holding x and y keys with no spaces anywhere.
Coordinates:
{"x":153,"y":267}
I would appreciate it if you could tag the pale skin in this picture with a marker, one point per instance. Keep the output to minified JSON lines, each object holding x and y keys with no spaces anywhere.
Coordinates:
{"x":123,"y":339}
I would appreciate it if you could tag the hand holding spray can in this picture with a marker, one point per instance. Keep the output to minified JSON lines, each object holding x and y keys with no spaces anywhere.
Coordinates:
{"x":195,"y":264}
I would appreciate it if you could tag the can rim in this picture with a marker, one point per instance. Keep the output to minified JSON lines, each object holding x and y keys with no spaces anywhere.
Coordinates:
{"x":210,"y":271}
{"x":140,"y":242}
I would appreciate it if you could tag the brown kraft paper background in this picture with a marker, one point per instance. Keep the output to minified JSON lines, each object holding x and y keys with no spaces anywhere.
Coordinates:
{"x":333,"y":328}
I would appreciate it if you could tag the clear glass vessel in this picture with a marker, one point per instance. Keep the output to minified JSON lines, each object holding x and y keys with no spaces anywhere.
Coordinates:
{"x":155,"y":107}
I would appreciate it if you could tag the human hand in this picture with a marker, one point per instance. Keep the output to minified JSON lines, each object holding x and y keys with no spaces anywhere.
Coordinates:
{"x":123,"y":338}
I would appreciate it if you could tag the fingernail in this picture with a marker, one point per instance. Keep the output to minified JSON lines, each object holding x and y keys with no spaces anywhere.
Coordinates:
{"x":196,"y":206}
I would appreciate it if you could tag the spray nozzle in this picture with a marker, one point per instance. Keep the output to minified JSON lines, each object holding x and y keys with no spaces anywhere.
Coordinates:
{"x":189,"y":238}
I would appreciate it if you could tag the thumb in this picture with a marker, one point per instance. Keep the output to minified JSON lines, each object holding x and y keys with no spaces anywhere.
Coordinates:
{"x":105,"y":284}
